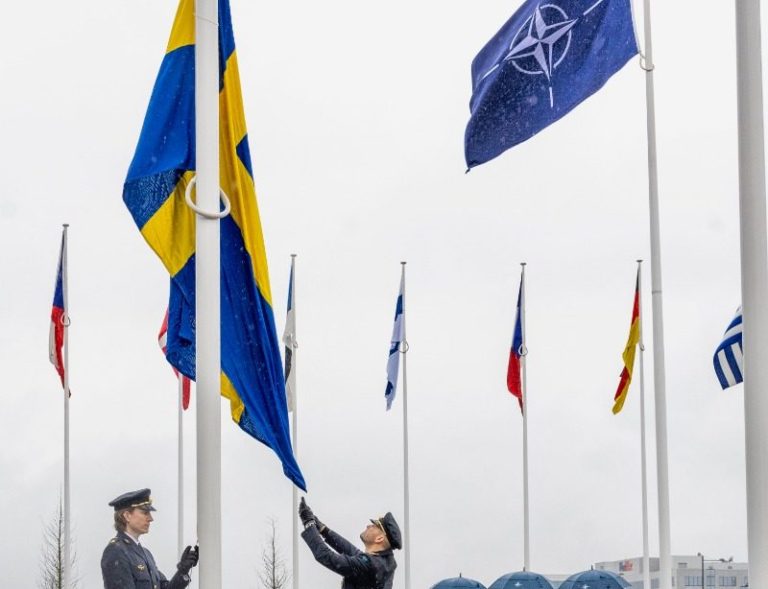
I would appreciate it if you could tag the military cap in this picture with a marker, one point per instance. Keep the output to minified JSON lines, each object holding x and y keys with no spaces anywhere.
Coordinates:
{"x":133,"y":499}
{"x":391,"y":530}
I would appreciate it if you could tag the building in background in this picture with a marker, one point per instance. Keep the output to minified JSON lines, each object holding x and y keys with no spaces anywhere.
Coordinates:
{"x":718,"y":573}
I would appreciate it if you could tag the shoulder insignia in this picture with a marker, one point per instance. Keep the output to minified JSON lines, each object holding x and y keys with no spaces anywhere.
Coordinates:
{"x":141,"y":567}
{"x":113,"y":540}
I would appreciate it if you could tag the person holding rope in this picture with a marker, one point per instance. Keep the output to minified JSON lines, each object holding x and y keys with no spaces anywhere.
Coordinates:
{"x":372,"y":568}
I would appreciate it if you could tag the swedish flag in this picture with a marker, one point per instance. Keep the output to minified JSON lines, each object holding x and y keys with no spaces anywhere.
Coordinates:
{"x":163,"y":165}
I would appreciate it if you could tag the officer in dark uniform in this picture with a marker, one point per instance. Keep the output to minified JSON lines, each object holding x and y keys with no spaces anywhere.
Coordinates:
{"x":126,"y":564}
{"x":372,"y":569}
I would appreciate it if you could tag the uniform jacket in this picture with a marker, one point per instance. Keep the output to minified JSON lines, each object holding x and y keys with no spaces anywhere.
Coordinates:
{"x":126,"y":565}
{"x":360,"y":570}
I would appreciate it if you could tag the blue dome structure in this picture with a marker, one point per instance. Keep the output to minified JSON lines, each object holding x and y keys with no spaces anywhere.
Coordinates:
{"x":521,"y":580}
{"x":458,"y":583}
{"x":595,"y":580}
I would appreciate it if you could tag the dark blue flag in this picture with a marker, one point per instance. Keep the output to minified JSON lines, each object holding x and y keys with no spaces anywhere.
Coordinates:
{"x":543,"y":62}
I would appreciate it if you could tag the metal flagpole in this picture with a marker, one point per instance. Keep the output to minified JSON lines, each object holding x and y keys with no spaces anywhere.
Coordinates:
{"x":644,"y":476}
{"x":406,"y":493}
{"x":180,"y":507}
{"x":295,"y":425}
{"x":207,"y":292}
{"x":754,"y":281}
{"x":67,"y":564}
{"x":659,"y":373}
{"x":523,"y":354}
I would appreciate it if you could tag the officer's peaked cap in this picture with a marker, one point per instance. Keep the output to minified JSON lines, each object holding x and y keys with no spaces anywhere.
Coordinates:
{"x":391,"y":530}
{"x":133,"y":499}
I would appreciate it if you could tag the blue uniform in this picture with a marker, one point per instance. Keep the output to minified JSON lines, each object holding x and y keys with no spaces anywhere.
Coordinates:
{"x":126,"y":565}
{"x":361,"y":570}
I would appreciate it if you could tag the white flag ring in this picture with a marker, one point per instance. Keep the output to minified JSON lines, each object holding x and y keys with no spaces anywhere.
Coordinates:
{"x":522,"y":350}
{"x":403,"y":347}
{"x":65,"y":321}
{"x":201,"y":212}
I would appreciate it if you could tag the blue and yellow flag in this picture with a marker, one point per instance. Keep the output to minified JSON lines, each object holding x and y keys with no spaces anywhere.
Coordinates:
{"x":163,"y":165}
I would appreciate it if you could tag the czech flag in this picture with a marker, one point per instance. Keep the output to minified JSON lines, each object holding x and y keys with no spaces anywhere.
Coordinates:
{"x":59,"y":319}
{"x":517,"y":351}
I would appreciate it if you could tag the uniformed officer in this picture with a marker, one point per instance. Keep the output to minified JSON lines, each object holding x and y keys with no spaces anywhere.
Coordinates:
{"x":372,"y":569}
{"x":126,"y":564}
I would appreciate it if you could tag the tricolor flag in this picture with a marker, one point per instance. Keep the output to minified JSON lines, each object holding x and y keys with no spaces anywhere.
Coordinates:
{"x":162,"y":341}
{"x":289,"y":339}
{"x":59,"y":319}
{"x":398,"y":330}
{"x":729,"y":357}
{"x":517,"y":350}
{"x":162,"y":167}
{"x":544,"y":61}
{"x":629,"y":351}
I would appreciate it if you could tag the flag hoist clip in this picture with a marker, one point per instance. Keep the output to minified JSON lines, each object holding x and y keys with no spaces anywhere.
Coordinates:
{"x":201,"y":212}
{"x":403,"y":347}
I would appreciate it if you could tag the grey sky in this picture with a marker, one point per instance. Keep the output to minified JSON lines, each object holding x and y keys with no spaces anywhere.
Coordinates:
{"x":356,"y":113}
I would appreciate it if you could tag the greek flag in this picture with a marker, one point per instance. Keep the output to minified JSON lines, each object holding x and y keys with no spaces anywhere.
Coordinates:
{"x":729,"y":357}
{"x":398,"y":333}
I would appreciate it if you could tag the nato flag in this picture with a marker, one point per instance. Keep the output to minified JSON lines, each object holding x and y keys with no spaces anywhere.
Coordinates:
{"x":543,"y":62}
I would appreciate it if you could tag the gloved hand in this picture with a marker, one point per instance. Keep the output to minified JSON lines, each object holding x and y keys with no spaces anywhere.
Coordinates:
{"x":305,"y":513}
{"x":188,"y":560}
{"x":321,"y":527}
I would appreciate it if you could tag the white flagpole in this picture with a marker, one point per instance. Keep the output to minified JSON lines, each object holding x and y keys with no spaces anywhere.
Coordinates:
{"x":643,"y":468}
{"x":406,"y":492}
{"x":180,"y":507}
{"x":207,"y":292}
{"x":523,"y":353}
{"x":295,"y":425}
{"x":659,"y":371}
{"x":754,"y":281}
{"x":67,"y":564}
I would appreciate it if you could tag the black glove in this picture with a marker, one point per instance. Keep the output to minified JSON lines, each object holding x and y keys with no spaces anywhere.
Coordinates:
{"x":188,"y":560}
{"x":321,"y":527}
{"x":305,"y":513}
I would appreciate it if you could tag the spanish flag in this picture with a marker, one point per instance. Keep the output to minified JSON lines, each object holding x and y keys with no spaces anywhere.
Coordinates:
{"x":629,"y":351}
{"x":162,"y":167}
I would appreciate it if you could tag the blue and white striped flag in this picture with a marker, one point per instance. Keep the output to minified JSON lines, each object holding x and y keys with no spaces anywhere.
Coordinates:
{"x":398,"y":331}
{"x":729,"y":357}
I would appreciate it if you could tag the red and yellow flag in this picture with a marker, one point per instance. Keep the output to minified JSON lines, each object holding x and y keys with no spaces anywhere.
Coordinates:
{"x":629,"y":352}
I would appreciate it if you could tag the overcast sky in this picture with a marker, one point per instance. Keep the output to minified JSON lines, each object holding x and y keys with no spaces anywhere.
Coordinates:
{"x":356,"y":113}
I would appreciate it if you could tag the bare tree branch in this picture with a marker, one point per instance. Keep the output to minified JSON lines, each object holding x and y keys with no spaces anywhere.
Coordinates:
{"x":273,"y":573}
{"x":52,"y":554}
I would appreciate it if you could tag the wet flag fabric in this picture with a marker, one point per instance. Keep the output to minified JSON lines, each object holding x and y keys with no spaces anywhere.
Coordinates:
{"x":58,"y":316}
{"x":729,"y":356}
{"x":545,"y":60}
{"x":163,"y":165}
{"x":516,"y":351}
{"x":393,"y":363}
{"x":162,"y":341}
{"x":630,"y":349}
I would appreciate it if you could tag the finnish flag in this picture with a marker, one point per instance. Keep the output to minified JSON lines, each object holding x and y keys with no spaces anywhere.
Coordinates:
{"x":398,"y":332}
{"x":729,"y":357}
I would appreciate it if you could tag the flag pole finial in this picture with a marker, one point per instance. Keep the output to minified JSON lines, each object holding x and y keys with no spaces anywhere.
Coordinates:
{"x":523,"y":263}
{"x":403,"y":262}
{"x":65,"y":225}
{"x":293,"y":255}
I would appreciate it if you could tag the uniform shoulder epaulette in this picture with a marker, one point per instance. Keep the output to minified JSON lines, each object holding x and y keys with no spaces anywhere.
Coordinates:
{"x":113,"y":540}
